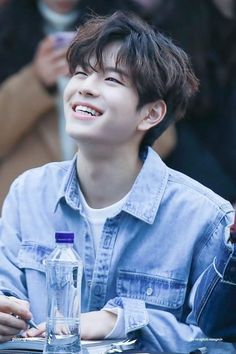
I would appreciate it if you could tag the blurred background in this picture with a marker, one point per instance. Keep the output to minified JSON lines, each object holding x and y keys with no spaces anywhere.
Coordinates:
{"x":34,"y":37}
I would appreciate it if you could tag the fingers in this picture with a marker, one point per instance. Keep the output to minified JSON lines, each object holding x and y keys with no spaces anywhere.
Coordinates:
{"x":10,"y":326}
{"x":40,"y":332}
{"x":62,"y":329}
{"x":59,"y":54}
{"x":23,"y":303}
{"x":46,"y":45}
{"x":47,"y":49}
{"x":11,"y":305}
{"x":13,"y":314}
{"x":50,"y":63}
{"x":7,"y":320}
{"x":49,"y":43}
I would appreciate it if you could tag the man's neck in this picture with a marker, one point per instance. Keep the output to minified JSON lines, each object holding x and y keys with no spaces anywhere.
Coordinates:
{"x":106,"y":180}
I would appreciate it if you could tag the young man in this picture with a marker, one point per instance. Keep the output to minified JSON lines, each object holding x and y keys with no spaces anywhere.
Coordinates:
{"x":145,"y":232}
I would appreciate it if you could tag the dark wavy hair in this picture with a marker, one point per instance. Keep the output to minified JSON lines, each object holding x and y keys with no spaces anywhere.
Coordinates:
{"x":158,"y":69}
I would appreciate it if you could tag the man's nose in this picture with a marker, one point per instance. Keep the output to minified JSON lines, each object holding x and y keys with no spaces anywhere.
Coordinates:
{"x":89,"y":86}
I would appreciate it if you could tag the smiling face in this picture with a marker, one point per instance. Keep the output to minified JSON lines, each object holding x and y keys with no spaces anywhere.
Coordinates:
{"x":101,"y":105}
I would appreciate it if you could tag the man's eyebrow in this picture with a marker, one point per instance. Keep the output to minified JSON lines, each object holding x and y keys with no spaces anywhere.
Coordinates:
{"x":119,"y":71}
{"x":116,"y":70}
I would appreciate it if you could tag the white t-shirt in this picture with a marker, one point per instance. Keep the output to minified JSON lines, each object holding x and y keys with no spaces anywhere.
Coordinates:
{"x":97,"y":219}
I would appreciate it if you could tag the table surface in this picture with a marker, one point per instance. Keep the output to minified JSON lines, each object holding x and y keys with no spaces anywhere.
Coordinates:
{"x":216,"y":348}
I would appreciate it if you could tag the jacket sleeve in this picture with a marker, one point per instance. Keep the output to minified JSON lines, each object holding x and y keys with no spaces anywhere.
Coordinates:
{"x":23,"y":100}
{"x":156,"y":326}
{"x":216,"y":293}
{"x":12,"y":278}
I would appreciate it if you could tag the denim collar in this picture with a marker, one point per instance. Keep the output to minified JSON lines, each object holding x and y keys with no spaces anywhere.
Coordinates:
{"x":148,"y":188}
{"x":145,"y":195}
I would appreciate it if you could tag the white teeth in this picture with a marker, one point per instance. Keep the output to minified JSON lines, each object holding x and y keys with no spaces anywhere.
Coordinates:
{"x":86,"y":110}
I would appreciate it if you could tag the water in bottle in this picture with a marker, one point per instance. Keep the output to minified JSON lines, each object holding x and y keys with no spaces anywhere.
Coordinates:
{"x":63,"y":276}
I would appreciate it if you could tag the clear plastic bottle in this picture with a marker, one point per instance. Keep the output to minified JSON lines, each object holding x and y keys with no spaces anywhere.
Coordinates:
{"x":64,"y":271}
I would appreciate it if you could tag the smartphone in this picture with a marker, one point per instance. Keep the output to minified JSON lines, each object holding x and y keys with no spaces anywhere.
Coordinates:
{"x":63,"y":39}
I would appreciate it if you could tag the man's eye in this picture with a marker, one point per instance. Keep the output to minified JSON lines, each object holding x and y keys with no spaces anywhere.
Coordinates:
{"x":112,"y":79}
{"x":81,"y":73}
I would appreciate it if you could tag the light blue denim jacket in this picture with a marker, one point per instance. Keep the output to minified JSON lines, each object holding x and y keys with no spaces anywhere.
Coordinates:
{"x":149,"y":258}
{"x":215,"y":305}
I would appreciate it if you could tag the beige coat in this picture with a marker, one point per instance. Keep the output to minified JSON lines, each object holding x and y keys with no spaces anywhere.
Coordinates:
{"x":28,"y":127}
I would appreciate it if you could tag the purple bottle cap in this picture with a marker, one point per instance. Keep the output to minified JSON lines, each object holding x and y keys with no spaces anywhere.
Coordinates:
{"x":64,"y":237}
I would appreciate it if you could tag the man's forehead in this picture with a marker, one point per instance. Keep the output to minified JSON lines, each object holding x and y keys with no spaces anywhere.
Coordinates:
{"x":109,"y":60}
{"x":110,"y":54}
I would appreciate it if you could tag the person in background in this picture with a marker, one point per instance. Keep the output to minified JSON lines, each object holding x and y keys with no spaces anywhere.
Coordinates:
{"x":132,"y":216}
{"x":204,"y":146}
{"x":31,"y":62}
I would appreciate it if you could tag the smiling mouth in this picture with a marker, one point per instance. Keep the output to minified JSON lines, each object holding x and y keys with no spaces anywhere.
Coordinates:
{"x":85,"y":110}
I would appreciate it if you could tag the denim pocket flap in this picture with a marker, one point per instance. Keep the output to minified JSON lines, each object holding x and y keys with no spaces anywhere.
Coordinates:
{"x":32,"y":256}
{"x":156,"y":290}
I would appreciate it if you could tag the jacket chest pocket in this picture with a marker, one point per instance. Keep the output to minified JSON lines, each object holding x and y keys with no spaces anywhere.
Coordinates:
{"x":32,"y":256}
{"x":153,"y":290}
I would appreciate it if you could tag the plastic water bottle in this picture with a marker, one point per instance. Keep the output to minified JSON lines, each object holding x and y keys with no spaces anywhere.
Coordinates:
{"x":64,"y":271}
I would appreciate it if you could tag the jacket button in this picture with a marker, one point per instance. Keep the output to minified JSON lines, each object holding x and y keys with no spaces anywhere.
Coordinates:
{"x":97,"y":290}
{"x":149,"y":291}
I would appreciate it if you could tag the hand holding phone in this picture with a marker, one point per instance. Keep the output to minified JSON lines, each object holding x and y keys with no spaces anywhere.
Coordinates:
{"x":63,"y":39}
{"x":50,"y":58}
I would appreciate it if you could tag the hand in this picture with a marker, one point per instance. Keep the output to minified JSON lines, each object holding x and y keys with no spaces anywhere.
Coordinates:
{"x":50,"y":63}
{"x":13,"y":314}
{"x":34,"y":332}
{"x":97,"y":324}
{"x":94,"y":325}
{"x":41,"y":330}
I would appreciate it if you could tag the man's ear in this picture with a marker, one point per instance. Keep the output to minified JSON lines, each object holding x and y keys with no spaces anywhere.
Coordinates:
{"x":154,"y":113}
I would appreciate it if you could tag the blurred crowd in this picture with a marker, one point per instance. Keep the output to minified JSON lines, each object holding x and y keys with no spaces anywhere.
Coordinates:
{"x":33,"y":72}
